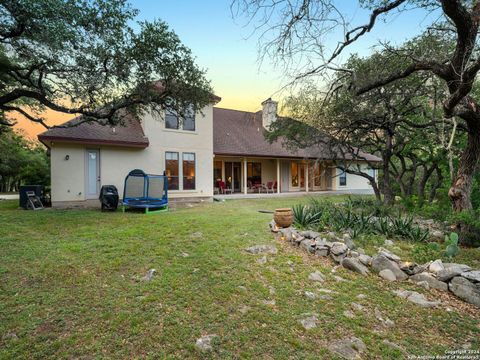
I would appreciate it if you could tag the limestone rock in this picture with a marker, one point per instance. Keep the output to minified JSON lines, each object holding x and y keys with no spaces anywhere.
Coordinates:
{"x":262,"y":249}
{"x":389,"y":255}
{"x":308,"y":245}
{"x":338,"y":251}
{"x":244,"y":309}
{"x":273,"y":226}
{"x":349,"y":348}
{"x":347,"y":239}
{"x":424,"y":285}
{"x":383,"y":319}
{"x":309,"y":322}
{"x":450,"y":265}
{"x":309,"y":234}
{"x":381,"y":262}
{"x":325,"y":291}
{"x":412,"y":268}
{"x":357,"y":307}
{"x":451,"y":270}
{"x":310,"y":295}
{"x":322,"y":250}
{"x":316,"y":276}
{"x":473,"y":275}
{"x":436,"y":266}
{"x":287,"y":233}
{"x":271,"y":302}
{"x":365,"y":259}
{"x":204,"y":343}
{"x":437,"y":235}
{"x":416,"y":298}
{"x":465,"y":290}
{"x":387,"y":274}
{"x":262,"y":260}
{"x":149,"y":275}
{"x":388,"y":242}
{"x":432,"y":282}
{"x":355,"y":265}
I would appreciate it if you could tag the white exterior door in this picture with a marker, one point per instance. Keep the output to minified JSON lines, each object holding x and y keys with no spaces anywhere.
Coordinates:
{"x":92,"y":174}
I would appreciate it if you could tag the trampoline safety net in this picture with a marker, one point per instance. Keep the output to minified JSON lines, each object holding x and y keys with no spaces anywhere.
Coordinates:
{"x":156,"y":187}
{"x":134,"y":186}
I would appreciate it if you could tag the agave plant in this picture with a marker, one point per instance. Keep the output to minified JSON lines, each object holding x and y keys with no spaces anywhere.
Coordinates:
{"x":382,"y":226}
{"x":305,"y":216}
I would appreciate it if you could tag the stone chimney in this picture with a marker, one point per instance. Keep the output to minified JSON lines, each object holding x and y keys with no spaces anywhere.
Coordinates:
{"x":269,"y":112}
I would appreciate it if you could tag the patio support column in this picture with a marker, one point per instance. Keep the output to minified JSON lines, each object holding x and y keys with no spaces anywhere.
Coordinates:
{"x":245,"y":188}
{"x":278,"y":176}
{"x":306,"y":177}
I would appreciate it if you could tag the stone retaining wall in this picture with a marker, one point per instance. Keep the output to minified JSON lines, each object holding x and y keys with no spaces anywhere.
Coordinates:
{"x":459,"y":279}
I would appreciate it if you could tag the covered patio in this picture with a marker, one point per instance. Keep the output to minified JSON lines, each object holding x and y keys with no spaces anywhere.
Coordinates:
{"x":263,"y":175}
{"x":238,"y":196}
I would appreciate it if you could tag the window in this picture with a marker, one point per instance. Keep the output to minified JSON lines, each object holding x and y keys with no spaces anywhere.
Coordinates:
{"x":294,"y":173}
{"x":171,"y":169}
{"x":174,"y":121}
{"x":343,"y":179}
{"x":188,"y":171}
{"x":317,"y":180}
{"x":254,"y":173}
{"x":189,"y":120}
{"x":217,"y":173}
{"x":171,"y":119}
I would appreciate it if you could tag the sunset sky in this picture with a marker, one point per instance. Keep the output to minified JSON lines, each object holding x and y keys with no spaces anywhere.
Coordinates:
{"x":227,"y":49}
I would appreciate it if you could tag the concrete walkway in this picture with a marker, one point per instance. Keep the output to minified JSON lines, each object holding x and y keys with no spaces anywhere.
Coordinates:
{"x":8,"y":196}
{"x":237,"y":196}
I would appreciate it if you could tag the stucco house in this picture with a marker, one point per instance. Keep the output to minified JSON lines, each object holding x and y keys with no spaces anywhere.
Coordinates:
{"x":214,"y":150}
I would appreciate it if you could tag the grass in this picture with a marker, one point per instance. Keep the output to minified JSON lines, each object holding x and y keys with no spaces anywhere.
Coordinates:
{"x":69,"y":289}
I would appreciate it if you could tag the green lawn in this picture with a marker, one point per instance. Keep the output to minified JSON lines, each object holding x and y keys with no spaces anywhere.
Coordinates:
{"x":69,"y":289}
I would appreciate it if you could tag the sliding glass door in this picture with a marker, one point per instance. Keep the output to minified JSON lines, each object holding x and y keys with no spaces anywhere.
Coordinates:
{"x":233,"y":175}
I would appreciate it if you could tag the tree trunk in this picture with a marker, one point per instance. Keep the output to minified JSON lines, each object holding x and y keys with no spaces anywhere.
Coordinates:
{"x":388,"y":197}
{"x":427,"y":173}
{"x":461,"y":188}
{"x":411,"y":178}
{"x":376,"y":190}
{"x":436,"y":185}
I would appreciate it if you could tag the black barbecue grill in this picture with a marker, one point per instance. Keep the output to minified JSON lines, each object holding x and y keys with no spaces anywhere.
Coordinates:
{"x":109,"y":197}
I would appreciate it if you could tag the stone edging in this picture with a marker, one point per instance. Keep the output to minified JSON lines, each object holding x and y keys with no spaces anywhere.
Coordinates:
{"x":460,"y":279}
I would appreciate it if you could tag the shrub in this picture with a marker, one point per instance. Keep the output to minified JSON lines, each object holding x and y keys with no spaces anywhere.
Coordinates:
{"x":346,"y":217}
{"x":434,"y":250}
{"x":469,"y":222}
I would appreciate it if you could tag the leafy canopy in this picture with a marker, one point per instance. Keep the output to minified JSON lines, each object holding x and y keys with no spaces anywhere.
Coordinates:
{"x":91,"y":57}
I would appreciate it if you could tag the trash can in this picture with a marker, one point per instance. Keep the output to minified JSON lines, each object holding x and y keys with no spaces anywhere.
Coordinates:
{"x":37,"y":189}
{"x":109,"y":197}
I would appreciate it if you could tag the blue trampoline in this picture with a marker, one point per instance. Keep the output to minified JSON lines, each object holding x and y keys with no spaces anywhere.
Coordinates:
{"x":145,"y":191}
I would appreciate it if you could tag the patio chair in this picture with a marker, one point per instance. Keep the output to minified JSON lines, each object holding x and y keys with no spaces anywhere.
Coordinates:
{"x":223,"y":188}
{"x":271,"y":186}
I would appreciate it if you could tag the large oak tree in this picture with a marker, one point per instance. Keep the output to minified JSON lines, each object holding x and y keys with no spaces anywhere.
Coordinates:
{"x":90,"y":57}
{"x":298,"y":29}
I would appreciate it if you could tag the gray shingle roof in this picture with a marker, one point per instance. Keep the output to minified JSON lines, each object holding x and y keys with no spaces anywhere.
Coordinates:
{"x":130,"y":134}
{"x":241,"y":133}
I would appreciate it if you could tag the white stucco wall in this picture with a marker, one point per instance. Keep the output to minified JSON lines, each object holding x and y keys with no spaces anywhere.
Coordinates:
{"x":68,"y":176}
{"x":354,"y":182}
